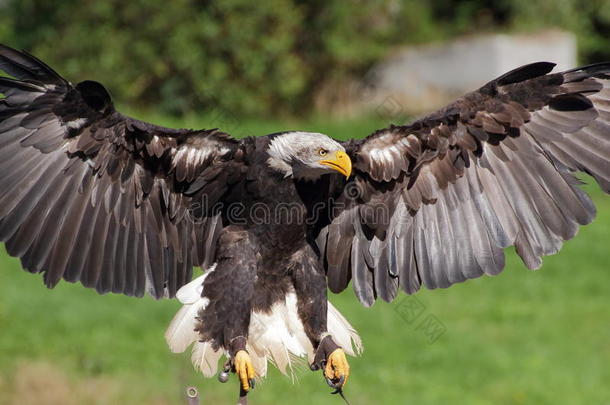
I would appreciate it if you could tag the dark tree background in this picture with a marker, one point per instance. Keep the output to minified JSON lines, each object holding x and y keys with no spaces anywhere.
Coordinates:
{"x":262,"y":58}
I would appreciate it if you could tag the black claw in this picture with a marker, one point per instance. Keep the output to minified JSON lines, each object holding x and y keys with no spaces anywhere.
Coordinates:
{"x":252,"y":382}
{"x":336,"y":385}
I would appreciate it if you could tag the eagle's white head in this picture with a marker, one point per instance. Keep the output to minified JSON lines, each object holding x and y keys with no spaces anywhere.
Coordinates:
{"x":307,"y":155}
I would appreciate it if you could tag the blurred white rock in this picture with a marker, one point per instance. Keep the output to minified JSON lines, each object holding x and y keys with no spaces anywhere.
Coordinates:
{"x":415,"y":80}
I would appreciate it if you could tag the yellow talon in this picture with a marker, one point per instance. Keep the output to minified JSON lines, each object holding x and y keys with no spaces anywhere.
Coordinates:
{"x":244,"y":369}
{"x":337,"y":366}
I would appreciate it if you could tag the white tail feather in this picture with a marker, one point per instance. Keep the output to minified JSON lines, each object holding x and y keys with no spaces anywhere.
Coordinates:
{"x":259,"y":360}
{"x":181,"y":331}
{"x":205,"y":358}
{"x":191,"y":292}
{"x":277,"y":336}
{"x":343,"y":332}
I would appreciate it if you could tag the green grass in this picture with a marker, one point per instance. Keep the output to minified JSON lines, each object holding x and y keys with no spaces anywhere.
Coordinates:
{"x":518,"y":338}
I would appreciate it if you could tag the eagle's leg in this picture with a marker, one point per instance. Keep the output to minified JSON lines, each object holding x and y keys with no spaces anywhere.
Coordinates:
{"x":312,"y":303}
{"x":230,"y":290}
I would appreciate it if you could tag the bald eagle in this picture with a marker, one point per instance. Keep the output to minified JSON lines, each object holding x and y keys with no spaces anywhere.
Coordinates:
{"x":90,"y":195}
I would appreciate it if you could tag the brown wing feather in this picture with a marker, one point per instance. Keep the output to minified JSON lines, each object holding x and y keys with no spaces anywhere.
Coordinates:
{"x":492,"y":169}
{"x":90,"y":195}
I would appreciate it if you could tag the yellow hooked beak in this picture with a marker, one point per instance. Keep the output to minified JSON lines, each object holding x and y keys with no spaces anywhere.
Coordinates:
{"x":340,"y":162}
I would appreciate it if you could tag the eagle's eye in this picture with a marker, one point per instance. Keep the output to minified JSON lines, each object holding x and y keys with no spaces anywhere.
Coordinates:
{"x":322,"y":152}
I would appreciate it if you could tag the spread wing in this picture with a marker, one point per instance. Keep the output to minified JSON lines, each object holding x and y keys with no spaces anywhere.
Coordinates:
{"x":88,"y":194}
{"x":435,"y":202}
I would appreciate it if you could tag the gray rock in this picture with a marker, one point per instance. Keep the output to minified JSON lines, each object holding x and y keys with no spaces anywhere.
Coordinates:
{"x":421,"y":79}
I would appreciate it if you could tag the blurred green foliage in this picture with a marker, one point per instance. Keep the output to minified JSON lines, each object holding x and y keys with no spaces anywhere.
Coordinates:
{"x":264,"y":58}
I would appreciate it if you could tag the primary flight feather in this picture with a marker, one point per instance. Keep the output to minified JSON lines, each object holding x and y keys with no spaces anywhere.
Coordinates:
{"x":90,"y":195}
